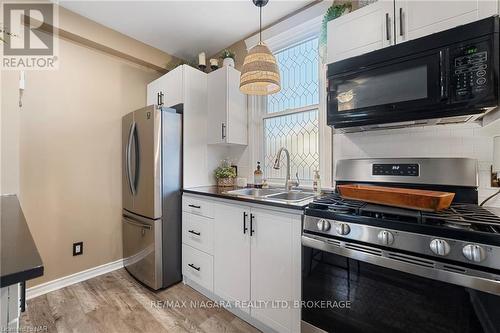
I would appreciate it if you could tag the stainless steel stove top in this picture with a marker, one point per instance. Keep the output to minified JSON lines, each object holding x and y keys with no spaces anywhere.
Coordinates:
{"x":460,"y":244}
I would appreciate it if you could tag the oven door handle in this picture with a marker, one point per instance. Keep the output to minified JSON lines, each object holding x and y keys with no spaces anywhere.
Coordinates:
{"x":427,"y":268}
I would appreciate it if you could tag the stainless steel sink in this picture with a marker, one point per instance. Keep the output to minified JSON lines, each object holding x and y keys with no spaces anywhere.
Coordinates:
{"x":293,"y":196}
{"x":255,"y":192}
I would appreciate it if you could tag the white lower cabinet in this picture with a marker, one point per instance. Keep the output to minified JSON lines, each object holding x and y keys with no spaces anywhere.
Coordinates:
{"x":232,"y":253}
{"x":257,"y":258}
{"x":197,"y":266}
{"x":275,"y":269}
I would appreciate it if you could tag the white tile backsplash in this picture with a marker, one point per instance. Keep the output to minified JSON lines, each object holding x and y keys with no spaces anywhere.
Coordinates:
{"x":467,"y":140}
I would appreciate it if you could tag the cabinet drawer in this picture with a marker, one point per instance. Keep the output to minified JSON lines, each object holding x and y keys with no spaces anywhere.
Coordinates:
{"x":197,"y":206}
{"x":197,"y":231}
{"x":198,"y":266}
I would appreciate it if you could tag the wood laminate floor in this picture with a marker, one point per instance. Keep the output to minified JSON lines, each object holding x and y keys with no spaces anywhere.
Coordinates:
{"x":115,"y":302}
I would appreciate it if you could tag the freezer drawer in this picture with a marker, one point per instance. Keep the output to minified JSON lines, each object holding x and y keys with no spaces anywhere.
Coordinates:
{"x":142,"y":249}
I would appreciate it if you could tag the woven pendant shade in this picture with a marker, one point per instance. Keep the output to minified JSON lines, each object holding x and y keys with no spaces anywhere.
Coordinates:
{"x":260,"y":74}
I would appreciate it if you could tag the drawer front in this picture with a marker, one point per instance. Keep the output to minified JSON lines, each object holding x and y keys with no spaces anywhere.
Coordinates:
{"x":198,"y":266}
{"x":197,"y":206}
{"x":142,"y":250}
{"x":197,"y":232}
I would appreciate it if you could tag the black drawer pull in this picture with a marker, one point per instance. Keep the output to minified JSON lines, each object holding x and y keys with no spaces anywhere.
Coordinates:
{"x":194,"y":232}
{"x":245,"y":222}
{"x":252,"y":231}
{"x":194,"y":267}
{"x":194,"y":206}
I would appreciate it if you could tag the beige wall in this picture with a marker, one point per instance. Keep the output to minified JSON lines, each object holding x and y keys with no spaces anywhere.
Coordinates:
{"x":61,"y":152}
{"x":70,"y":153}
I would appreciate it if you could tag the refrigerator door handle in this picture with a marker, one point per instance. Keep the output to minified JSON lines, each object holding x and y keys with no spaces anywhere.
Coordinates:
{"x":128,"y":153}
{"x":137,"y":224}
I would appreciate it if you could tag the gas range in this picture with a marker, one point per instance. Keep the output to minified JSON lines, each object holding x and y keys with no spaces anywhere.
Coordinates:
{"x":460,"y":245}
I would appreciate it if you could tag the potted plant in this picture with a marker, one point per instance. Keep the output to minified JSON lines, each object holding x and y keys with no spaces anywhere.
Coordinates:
{"x":225,"y":174}
{"x":227,"y":57}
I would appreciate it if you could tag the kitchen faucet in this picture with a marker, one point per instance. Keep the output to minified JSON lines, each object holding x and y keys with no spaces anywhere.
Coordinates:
{"x":288,"y":182}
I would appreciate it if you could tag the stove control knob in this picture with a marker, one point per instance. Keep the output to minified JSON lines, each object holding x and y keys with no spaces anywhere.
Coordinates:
{"x":385,"y":237}
{"x":323,"y":225}
{"x":474,"y":252}
{"x":343,"y":229}
{"x":440,"y":247}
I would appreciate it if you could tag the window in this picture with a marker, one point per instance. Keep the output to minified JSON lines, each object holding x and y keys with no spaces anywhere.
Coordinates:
{"x":291,"y":119}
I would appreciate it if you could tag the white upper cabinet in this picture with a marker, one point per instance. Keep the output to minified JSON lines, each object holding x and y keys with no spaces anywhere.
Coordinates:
{"x":227,"y":108}
{"x":388,"y":22}
{"x":167,"y":90}
{"x":416,"y":19}
{"x":364,"y":30}
{"x":188,"y":86}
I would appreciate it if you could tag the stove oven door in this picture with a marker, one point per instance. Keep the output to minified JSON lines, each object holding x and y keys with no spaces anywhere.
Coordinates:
{"x":343,"y":295}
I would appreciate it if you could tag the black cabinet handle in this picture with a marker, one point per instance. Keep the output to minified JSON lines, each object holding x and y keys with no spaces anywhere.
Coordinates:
{"x":251,"y":224}
{"x":223,"y":131}
{"x":401,"y":21}
{"x":161,"y":98}
{"x":194,"y":232}
{"x":245,"y":222}
{"x":22,"y":299}
{"x":194,"y":206}
{"x":194,"y":267}
{"x":387,"y":27}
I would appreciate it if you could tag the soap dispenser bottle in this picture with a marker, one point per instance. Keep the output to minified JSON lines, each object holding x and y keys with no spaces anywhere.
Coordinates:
{"x":258,"y":176}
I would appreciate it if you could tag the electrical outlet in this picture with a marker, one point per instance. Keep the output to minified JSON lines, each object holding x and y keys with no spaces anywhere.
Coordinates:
{"x":77,"y":248}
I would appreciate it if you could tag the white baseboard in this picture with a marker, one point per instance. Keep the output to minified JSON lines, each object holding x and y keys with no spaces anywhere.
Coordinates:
{"x":65,"y":281}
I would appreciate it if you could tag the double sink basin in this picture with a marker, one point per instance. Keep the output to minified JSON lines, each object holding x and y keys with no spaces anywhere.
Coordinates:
{"x":273,"y":194}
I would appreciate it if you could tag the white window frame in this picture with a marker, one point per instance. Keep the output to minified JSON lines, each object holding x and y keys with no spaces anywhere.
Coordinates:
{"x":298,"y":28}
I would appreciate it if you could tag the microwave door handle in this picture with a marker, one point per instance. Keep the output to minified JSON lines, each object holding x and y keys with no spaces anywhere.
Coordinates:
{"x":442,"y":74}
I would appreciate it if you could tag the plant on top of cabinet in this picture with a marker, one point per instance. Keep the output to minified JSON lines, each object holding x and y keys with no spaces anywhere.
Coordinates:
{"x":334,"y":11}
{"x":227,"y":108}
{"x":227,"y":57}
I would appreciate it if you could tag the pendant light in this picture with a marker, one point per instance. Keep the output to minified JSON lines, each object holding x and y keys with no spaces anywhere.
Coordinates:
{"x":260,"y":74}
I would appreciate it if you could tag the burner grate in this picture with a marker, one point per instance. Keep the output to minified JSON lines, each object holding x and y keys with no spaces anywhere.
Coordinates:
{"x":459,"y":216}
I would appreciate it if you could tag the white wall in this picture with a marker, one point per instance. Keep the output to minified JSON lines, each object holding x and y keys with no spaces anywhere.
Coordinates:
{"x":435,"y":141}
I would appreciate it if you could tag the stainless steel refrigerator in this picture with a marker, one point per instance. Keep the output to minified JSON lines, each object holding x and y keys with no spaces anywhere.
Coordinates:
{"x":151,"y":186}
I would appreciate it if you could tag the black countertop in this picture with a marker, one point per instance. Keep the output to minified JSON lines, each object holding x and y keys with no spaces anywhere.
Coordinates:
{"x":20,"y":260}
{"x":220,"y":192}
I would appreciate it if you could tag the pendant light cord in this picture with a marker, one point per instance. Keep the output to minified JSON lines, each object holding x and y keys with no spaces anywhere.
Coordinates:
{"x":260,"y":24}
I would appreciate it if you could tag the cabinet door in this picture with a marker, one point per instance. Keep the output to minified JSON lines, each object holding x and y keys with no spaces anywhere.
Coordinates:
{"x":236,"y":109}
{"x":152,"y":93}
{"x":231,"y":253}
{"x":364,"y":30}
{"x":416,"y":19}
{"x":217,"y":106}
{"x":275,"y":268}
{"x":172,"y":87}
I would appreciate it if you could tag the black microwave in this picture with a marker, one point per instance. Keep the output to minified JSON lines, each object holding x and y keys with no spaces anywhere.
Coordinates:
{"x":446,"y":77}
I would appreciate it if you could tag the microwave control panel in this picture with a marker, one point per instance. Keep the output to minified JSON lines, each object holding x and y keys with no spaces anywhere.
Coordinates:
{"x":470,"y":70}
{"x":395,"y":170}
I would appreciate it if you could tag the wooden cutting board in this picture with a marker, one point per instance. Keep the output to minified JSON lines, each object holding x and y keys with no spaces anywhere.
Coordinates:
{"x":430,"y":201}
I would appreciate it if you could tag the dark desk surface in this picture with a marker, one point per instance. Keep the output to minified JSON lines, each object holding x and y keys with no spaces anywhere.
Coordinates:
{"x":20,"y":260}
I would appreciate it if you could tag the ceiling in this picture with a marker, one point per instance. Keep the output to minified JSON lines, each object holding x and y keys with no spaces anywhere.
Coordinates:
{"x":184,"y":28}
